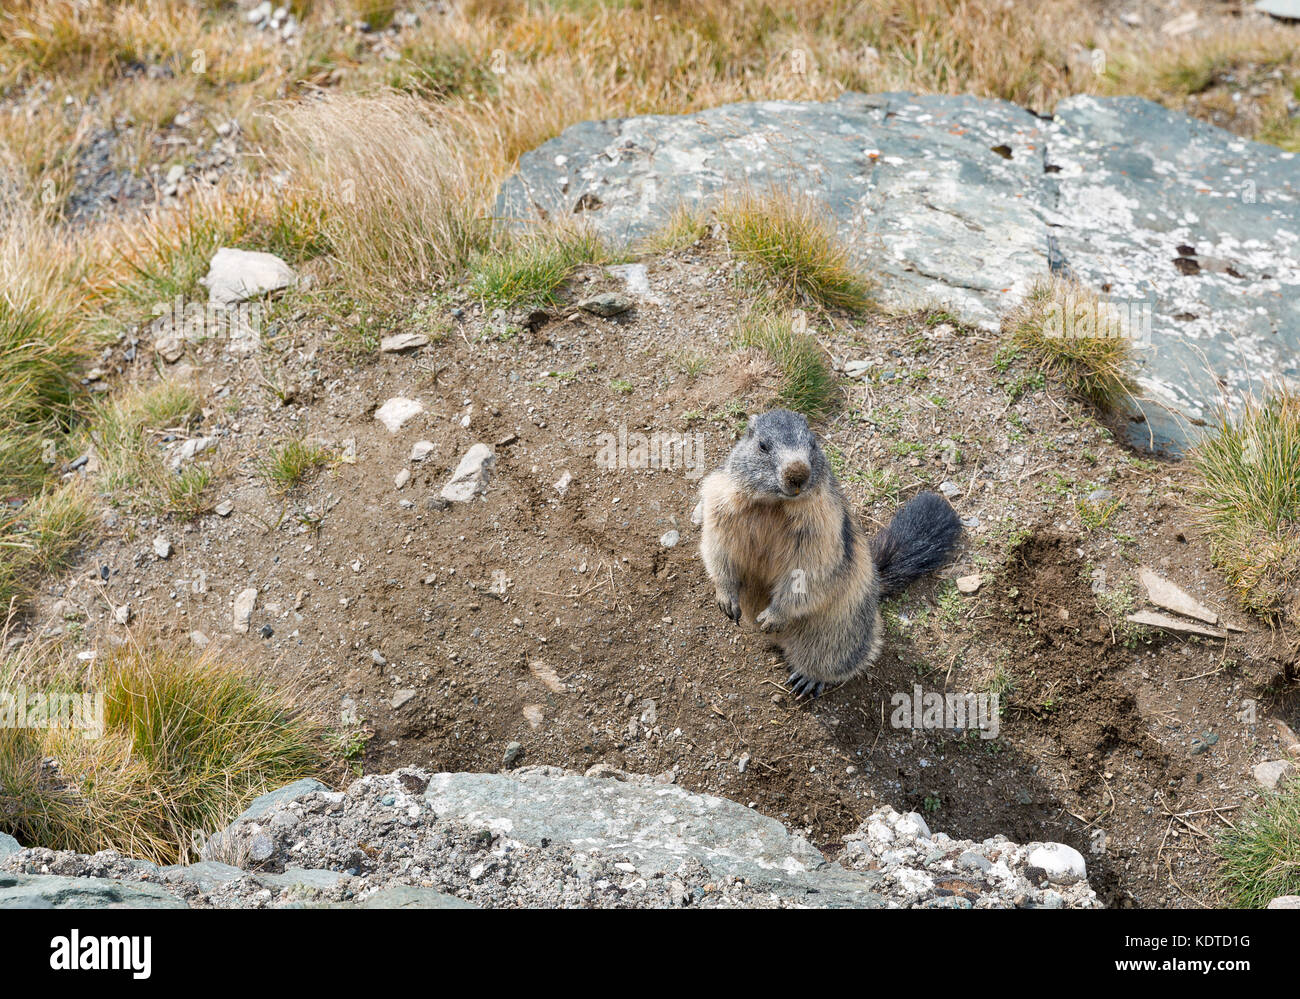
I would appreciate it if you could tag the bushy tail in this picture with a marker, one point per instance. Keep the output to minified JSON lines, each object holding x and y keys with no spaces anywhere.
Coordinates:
{"x":920,"y":539}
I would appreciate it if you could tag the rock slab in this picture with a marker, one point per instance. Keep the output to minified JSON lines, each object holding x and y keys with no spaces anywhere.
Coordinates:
{"x":44,"y":891}
{"x":966,"y":202}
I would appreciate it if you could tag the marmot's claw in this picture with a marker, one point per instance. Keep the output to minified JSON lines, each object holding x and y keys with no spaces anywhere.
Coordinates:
{"x":800,"y":685}
{"x":766,"y":621}
{"x":731,"y":607}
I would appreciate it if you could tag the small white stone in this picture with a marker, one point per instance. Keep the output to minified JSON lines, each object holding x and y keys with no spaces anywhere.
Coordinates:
{"x":562,"y":485}
{"x":969,"y":584}
{"x":1271,"y":773}
{"x":1063,"y":864}
{"x":237,"y":275}
{"x":879,"y":832}
{"x":402,"y":478}
{"x":911,"y":826}
{"x":421,"y":450}
{"x":397,"y":412}
{"x":471,"y":475}
{"x":169,"y":347}
{"x":399,"y":342}
{"x":162,"y":547}
{"x":670,"y":538}
{"x":243,"y":609}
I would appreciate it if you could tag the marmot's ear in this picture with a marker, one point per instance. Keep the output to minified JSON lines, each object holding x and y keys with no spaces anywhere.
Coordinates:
{"x":749,"y":427}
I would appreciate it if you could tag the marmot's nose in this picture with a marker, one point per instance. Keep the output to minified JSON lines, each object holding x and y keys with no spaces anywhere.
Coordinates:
{"x":795,"y":475}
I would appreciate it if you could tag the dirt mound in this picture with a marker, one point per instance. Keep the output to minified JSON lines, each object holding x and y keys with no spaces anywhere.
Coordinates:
{"x":550,"y":621}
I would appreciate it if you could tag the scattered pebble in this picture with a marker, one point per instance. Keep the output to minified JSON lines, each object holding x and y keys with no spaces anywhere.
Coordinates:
{"x":397,"y":412}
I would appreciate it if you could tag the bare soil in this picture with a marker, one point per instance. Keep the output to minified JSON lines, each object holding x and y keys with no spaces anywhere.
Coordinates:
{"x":561,"y":622}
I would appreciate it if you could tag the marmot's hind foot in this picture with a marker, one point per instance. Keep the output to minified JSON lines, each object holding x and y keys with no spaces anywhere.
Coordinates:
{"x":800,"y":685}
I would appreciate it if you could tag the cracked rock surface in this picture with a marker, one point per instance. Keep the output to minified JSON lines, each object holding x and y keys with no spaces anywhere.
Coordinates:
{"x":545,"y":837}
{"x":1191,"y":232}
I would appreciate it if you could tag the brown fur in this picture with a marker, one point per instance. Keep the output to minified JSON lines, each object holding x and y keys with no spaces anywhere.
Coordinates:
{"x":827,"y":623}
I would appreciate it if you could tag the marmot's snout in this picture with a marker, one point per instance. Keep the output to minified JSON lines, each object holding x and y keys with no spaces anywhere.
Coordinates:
{"x":795,"y":474}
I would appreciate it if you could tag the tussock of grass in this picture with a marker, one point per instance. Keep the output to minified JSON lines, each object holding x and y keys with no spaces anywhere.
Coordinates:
{"x":402,"y":201}
{"x":1250,"y":491}
{"x":1260,"y":857}
{"x":39,"y":390}
{"x":529,"y":272}
{"x":165,"y":260}
{"x":126,"y":435}
{"x":792,"y":246}
{"x":187,"y":743}
{"x":686,"y":226}
{"x":807,"y":384}
{"x":1077,"y":338}
{"x":290,"y":463}
{"x":40,"y":538}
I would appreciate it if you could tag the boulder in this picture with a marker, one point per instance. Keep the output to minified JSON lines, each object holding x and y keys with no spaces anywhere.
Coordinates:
{"x":965,"y":202}
{"x":50,"y":891}
{"x":654,"y":827}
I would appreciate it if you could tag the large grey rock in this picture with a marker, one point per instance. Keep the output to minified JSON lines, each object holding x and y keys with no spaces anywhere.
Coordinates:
{"x":1286,"y":9}
{"x":50,"y":891}
{"x":8,"y":845}
{"x":264,"y":803}
{"x":653,"y":827}
{"x":206,"y":875}
{"x":412,"y":897}
{"x":965,"y":202}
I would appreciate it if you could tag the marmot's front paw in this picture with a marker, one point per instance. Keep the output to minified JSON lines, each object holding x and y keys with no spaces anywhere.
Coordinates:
{"x":769,"y":619}
{"x":800,"y":685}
{"x":729,"y":604}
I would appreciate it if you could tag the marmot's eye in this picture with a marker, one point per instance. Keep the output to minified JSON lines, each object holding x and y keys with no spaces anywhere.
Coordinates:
{"x":762,"y":446}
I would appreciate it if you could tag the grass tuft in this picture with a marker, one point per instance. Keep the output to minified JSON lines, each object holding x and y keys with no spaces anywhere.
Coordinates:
{"x":1260,"y":856}
{"x":807,"y":384}
{"x":40,"y":539}
{"x":187,"y":742}
{"x":529,"y":272}
{"x":1077,"y":338}
{"x":290,"y":463}
{"x":1249,"y":488}
{"x":39,"y":391}
{"x":792,"y":246}
{"x":127,"y":434}
{"x":687,"y":226}
{"x":402,"y":205}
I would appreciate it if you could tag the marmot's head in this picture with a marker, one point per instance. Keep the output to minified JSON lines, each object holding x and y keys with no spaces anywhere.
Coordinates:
{"x":779,"y":457}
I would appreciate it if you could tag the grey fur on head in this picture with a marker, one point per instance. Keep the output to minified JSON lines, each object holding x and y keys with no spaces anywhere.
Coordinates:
{"x":779,"y":457}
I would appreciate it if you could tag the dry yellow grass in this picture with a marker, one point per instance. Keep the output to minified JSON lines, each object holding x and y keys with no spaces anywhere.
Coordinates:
{"x":1077,"y":338}
{"x":1250,"y":493}
{"x":404,"y":202}
{"x":186,"y":742}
